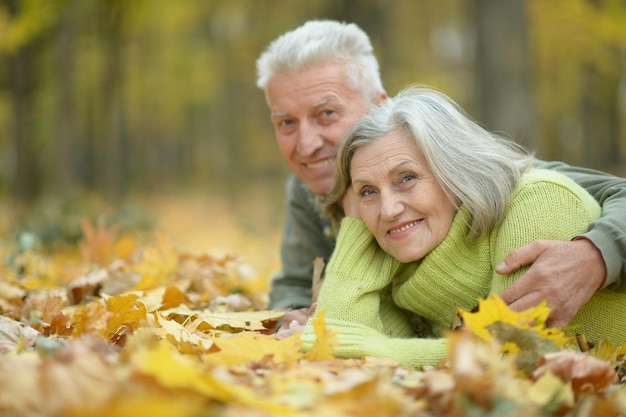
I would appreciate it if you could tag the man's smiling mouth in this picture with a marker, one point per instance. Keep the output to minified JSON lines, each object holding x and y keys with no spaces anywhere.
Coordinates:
{"x":321,"y":163}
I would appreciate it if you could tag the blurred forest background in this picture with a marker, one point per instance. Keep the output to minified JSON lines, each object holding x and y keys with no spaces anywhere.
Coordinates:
{"x":149,"y":108}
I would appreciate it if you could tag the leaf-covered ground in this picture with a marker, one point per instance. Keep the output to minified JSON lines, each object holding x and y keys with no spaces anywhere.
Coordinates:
{"x":116,"y":326}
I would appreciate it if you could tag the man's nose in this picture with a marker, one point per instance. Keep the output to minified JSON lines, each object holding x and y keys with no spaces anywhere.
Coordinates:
{"x":310,"y":139}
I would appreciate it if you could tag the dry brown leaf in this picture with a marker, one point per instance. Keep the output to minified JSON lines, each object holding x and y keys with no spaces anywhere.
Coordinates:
{"x":98,"y":242}
{"x":14,"y":334}
{"x":585,"y":372}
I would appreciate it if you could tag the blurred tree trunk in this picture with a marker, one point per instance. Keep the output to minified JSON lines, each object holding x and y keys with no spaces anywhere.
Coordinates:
{"x":113,"y":117}
{"x":503,"y":70}
{"x":23,"y":83}
{"x":599,"y":109}
{"x":66,"y":149}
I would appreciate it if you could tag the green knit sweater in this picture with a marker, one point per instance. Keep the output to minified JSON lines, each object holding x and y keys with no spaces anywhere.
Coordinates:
{"x":370,"y":299}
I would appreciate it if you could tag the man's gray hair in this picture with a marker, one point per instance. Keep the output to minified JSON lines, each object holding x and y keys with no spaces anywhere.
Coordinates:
{"x":320,"y":41}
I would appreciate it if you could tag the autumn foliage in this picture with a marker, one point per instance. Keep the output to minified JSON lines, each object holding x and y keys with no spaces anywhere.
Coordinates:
{"x":119,"y":328}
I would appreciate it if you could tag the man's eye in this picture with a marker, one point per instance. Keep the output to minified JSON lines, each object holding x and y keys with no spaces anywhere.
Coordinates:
{"x":286,"y":122}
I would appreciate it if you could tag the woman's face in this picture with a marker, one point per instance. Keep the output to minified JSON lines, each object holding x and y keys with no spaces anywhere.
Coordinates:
{"x":399,"y":199}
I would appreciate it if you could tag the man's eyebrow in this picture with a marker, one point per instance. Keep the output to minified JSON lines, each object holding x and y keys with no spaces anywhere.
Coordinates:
{"x":324,"y":101}
{"x":320,"y":103}
{"x":279,"y":114}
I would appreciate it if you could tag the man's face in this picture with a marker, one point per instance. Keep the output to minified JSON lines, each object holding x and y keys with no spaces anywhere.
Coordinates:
{"x":311,"y":110}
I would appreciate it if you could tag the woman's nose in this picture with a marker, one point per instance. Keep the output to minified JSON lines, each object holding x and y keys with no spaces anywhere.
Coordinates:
{"x":391,"y":205}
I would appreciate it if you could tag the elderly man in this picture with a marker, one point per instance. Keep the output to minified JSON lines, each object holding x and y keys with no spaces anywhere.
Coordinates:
{"x":318,"y":80}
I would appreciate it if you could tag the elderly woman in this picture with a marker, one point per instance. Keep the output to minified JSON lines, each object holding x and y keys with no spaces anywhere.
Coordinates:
{"x":433,"y":203}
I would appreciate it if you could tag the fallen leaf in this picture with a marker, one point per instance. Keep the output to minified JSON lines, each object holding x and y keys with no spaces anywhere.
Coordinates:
{"x":585,"y":372}
{"x":325,"y":340}
{"x":15,"y":334}
{"x":551,"y":392}
{"x":246,"y":348}
{"x":236,"y":321}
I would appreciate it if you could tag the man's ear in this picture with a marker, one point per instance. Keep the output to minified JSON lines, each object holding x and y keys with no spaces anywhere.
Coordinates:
{"x":381,"y":98}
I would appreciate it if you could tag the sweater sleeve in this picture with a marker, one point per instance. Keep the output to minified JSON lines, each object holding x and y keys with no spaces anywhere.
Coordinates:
{"x":357,"y":340}
{"x":541,"y":208}
{"x":356,"y":300}
{"x":608,"y":233}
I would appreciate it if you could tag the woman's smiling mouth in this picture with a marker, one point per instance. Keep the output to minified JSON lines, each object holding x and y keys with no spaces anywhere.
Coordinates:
{"x":403,"y":228}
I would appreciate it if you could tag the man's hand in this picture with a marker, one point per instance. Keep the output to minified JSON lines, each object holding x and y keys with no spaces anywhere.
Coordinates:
{"x":565,"y":273}
{"x":294,"y":321}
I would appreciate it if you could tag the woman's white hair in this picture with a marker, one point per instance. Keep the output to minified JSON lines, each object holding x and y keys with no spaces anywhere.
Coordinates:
{"x":320,"y":41}
{"x":480,"y":169}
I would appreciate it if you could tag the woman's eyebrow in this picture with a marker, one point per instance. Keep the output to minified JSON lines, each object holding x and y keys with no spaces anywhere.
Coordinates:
{"x":392,"y":171}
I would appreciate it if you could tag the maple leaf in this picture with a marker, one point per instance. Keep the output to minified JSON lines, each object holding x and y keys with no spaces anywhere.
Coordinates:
{"x":90,"y":319}
{"x":77,"y":377}
{"x":125,"y":246}
{"x":183,"y":372}
{"x":585,"y":372}
{"x":183,"y":338}
{"x":233,"y":321}
{"x":245,"y":348}
{"x":14,"y":334}
{"x":325,"y":340}
{"x":173,"y":297}
{"x":57,"y":322}
{"x":157,"y":265}
{"x":551,"y":393}
{"x":493,"y":310}
{"x":126,"y":311}
{"x":98,"y":244}
{"x":152,"y":404}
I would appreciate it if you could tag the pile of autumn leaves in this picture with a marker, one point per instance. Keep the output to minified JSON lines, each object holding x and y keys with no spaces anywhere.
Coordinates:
{"x":154,"y":331}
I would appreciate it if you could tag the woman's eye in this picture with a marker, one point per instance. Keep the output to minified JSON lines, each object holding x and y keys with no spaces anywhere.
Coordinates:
{"x":366,"y":192}
{"x":407,"y":177}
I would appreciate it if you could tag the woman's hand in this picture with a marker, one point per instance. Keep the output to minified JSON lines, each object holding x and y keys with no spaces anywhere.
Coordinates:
{"x":350,"y":203}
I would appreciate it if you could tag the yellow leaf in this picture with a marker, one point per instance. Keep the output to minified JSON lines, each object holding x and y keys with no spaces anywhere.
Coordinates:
{"x":175,"y":371}
{"x":91,"y":319}
{"x":173,"y":297}
{"x":325,"y":340}
{"x":244,"y":348}
{"x":125,"y":247}
{"x":126,"y":311}
{"x":549,"y":389}
{"x":97,"y":245}
{"x":181,"y":335}
{"x":494,"y":310}
{"x":156,"y":404}
{"x":157,"y":265}
{"x":239,"y":320}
